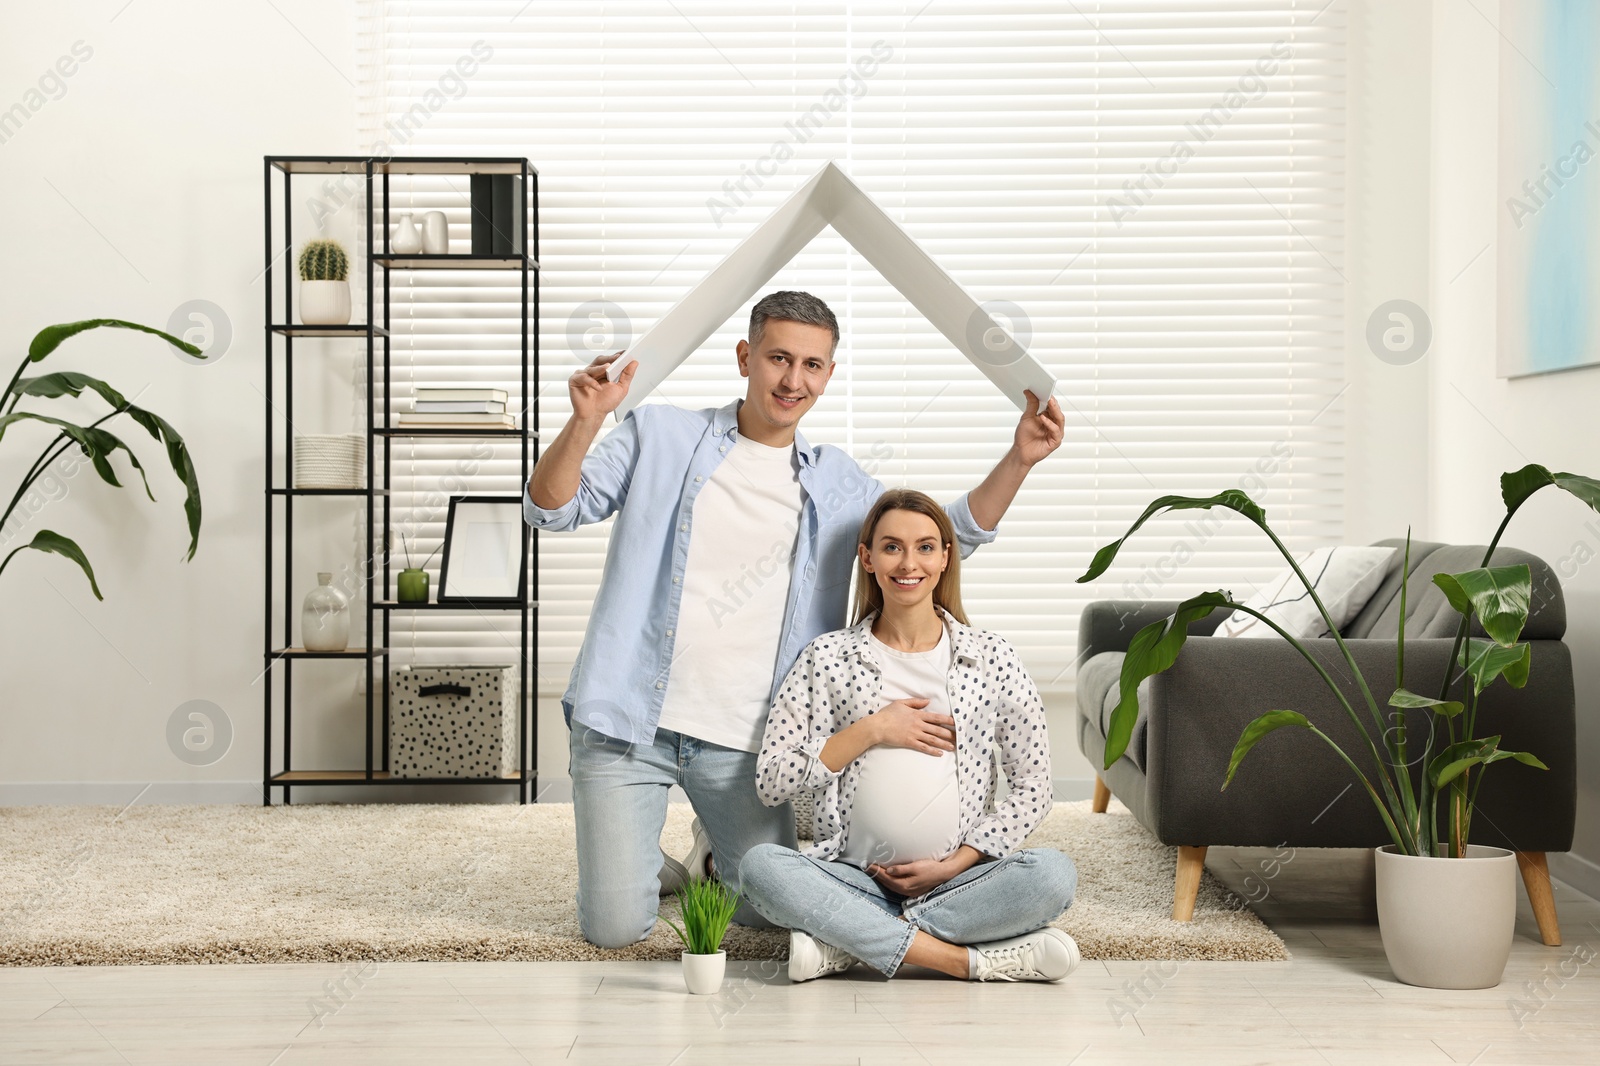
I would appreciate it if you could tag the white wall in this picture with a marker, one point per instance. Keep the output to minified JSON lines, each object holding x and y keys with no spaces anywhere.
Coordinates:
{"x":1387,"y":225}
{"x":1482,"y":425}
{"x":134,"y":191}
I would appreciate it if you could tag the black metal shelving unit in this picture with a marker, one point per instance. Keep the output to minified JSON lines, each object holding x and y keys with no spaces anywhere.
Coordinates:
{"x":279,"y":247}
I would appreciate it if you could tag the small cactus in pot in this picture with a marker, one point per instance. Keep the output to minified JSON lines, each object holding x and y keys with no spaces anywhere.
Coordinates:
{"x":324,"y":288}
{"x":324,"y":261}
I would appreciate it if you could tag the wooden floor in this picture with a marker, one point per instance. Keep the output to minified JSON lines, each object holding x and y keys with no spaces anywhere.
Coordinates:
{"x":1334,"y":1003}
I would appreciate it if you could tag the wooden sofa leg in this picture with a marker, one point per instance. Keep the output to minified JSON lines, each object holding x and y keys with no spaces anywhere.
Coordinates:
{"x":1191,"y":861}
{"x":1536,"y":879}
{"x":1102,"y":795}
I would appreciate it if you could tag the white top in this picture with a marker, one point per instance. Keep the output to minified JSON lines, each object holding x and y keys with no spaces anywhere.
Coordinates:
{"x":735,"y":589}
{"x":906,"y":802}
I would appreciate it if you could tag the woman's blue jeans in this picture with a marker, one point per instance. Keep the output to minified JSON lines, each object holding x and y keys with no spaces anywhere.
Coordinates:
{"x":841,"y":905}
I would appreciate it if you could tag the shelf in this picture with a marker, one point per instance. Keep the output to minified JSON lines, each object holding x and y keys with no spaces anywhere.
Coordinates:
{"x":384,"y":777}
{"x":454,"y":165}
{"x":356,"y":330}
{"x":456,"y":262}
{"x":357,"y":164}
{"x":371,"y":296}
{"x":395,"y":605}
{"x":301,"y":653}
{"x":325,"y":164}
{"x":451,"y":431}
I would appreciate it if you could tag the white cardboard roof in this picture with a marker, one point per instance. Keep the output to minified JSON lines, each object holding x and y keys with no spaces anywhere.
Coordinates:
{"x":832,"y":199}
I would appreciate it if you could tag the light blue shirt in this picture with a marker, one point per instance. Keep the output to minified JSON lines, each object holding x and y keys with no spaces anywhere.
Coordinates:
{"x":648,"y":471}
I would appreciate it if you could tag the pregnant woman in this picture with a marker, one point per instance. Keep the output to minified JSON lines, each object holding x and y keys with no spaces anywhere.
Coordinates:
{"x":892,"y":724}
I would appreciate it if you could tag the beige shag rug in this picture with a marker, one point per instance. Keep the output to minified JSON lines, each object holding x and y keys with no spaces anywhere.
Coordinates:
{"x":217,"y":884}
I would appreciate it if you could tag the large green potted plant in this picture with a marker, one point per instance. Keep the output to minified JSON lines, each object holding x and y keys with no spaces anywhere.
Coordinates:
{"x":706,"y":906}
{"x":96,"y":444}
{"x":1455,"y":938}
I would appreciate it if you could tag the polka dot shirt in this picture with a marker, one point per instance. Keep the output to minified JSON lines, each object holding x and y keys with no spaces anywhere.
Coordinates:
{"x":837,"y":681}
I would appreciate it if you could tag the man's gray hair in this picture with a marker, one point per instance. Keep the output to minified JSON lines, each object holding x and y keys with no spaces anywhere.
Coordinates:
{"x":791,"y":307}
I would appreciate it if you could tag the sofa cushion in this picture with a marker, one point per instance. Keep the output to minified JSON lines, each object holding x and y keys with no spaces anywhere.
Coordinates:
{"x":1344,"y":578}
{"x":1389,"y":591}
{"x":1099,"y":690}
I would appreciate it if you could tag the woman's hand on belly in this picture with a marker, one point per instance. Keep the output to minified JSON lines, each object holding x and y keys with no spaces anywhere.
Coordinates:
{"x":924,"y":875}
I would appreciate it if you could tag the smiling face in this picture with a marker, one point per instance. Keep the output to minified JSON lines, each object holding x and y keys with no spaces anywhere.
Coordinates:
{"x":788,"y":369}
{"x":906,"y":558}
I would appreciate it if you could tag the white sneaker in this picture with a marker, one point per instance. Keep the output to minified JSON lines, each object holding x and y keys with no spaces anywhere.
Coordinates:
{"x":698,"y":861}
{"x":1045,"y":954}
{"x":674,"y":874}
{"x":810,"y":957}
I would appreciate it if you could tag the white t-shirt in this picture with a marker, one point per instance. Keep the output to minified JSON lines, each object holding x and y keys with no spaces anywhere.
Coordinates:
{"x":735,"y":591}
{"x":906,"y":804}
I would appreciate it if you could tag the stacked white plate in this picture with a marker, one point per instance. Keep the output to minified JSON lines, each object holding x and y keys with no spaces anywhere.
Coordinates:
{"x":330,"y":461}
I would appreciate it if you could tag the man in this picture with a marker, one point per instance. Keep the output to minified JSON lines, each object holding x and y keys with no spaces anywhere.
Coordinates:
{"x":733,"y":549}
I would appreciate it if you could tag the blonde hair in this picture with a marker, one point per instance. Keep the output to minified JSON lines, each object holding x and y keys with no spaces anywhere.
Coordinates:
{"x":947,"y":593}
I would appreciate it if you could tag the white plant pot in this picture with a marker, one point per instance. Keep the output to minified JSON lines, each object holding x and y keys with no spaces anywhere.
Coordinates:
{"x":1447,"y":923}
{"x":703,"y":973}
{"x":324,"y":303}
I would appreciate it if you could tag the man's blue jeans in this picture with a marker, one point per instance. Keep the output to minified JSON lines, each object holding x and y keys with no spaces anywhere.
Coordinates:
{"x":839,"y":904}
{"x":619,"y":799}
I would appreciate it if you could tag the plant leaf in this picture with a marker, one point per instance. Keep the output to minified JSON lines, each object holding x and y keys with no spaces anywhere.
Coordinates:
{"x":1497,"y":595}
{"x":1400,"y":640}
{"x":1523,"y":757}
{"x":1267,"y":723}
{"x":1233,"y":499}
{"x":182,"y":465}
{"x":1454,"y":760}
{"x":1152,"y":650}
{"x":98,"y":444}
{"x":68,"y":383}
{"x":1458,"y":758}
{"x":1517,"y":485}
{"x":47,"y":540}
{"x":1485,"y":660}
{"x":1406,"y":698}
{"x":49,"y":339}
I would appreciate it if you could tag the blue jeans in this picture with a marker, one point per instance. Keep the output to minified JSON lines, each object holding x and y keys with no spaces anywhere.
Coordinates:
{"x":840,"y":905}
{"x":619,"y":800}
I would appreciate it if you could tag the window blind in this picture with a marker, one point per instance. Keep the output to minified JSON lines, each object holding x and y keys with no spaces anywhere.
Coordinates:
{"x":1150,"y":191}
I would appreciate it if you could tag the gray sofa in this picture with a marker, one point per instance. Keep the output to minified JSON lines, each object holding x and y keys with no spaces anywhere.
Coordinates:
{"x":1293,"y":790}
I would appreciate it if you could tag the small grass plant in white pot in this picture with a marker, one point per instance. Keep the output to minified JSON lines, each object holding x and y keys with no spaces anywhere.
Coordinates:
{"x":706,"y":907}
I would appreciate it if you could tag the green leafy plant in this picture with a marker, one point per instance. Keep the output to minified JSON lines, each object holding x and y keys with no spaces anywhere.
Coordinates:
{"x":97,"y":444}
{"x":1498,"y":597}
{"x":707,"y":907}
{"x":324,"y":261}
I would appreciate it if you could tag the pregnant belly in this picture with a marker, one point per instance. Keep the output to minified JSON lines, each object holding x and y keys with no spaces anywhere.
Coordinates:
{"x":905,"y":807}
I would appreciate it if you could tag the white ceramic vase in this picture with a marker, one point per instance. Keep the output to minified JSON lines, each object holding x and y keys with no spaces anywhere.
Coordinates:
{"x":325,"y":617}
{"x":407,"y":239}
{"x":1447,"y":923}
{"x":703,"y":973}
{"x":435,"y":233}
{"x":324,"y":303}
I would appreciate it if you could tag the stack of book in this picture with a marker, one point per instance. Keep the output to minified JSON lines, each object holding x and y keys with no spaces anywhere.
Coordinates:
{"x":459,"y":407}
